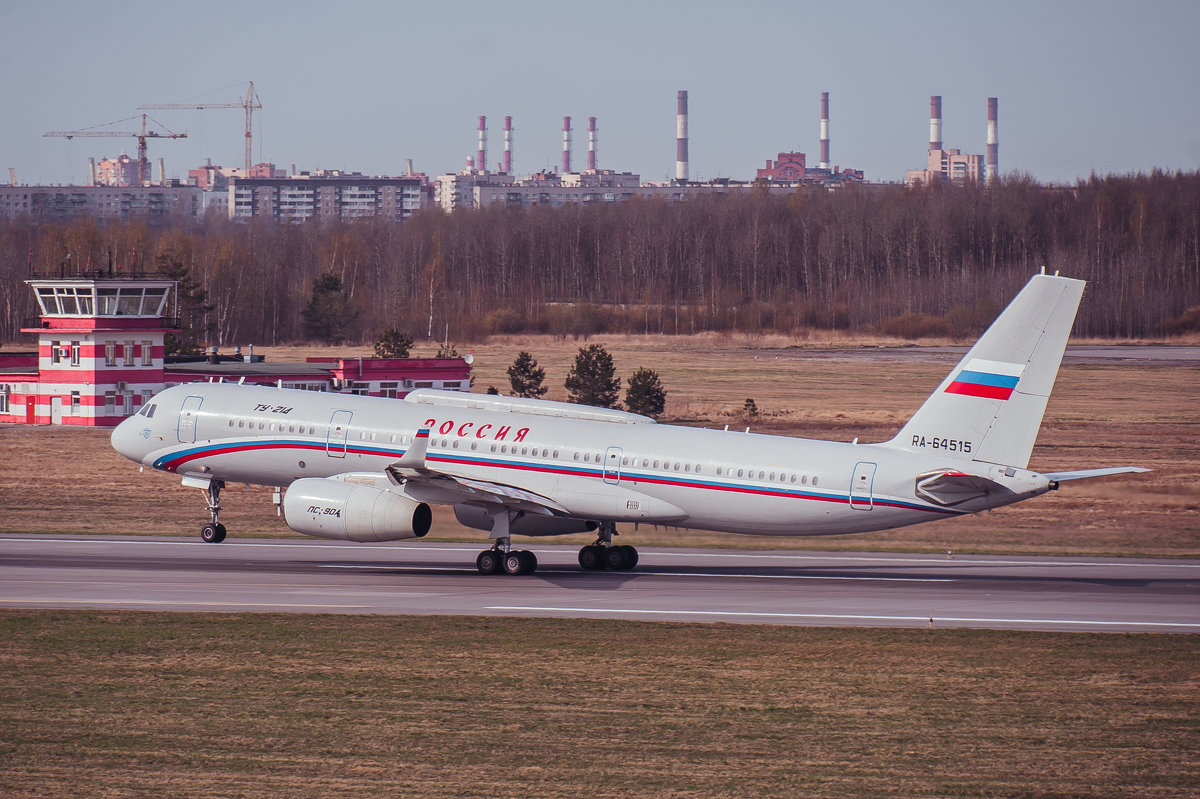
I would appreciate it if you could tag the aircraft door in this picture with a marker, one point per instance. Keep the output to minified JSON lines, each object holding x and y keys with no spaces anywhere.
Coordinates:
{"x":187,"y":419}
{"x":339,"y":431}
{"x":612,"y":465}
{"x":861,"y":484}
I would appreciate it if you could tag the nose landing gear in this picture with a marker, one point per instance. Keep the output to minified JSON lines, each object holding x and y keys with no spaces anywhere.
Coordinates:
{"x":214,"y":531}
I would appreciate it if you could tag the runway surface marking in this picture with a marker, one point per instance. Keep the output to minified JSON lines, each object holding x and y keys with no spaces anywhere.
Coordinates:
{"x":837,"y":616}
{"x":882,"y":558}
{"x":640,"y":573}
{"x":173,"y":602}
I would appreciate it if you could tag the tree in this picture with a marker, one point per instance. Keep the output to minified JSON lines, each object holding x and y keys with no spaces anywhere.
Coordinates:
{"x":645,"y":393}
{"x":391,"y":343}
{"x":193,"y":308}
{"x":593,"y":380}
{"x":526,"y":377}
{"x":330,"y":315}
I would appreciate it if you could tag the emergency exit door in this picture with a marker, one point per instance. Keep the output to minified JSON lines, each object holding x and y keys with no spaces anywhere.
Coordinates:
{"x":862,"y":485}
{"x":339,"y":430}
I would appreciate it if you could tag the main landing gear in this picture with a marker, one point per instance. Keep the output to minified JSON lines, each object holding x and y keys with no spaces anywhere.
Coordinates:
{"x":603,"y":554}
{"x":502,"y":557}
{"x":214,"y":531}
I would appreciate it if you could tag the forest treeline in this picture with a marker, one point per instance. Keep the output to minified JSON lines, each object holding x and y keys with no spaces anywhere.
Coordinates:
{"x":938,"y":259}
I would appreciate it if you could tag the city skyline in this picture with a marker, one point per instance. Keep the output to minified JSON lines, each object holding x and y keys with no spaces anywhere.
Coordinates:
{"x":1083,"y":86}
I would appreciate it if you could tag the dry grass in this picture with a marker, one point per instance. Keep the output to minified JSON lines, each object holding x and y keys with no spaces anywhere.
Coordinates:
{"x":68,"y":480}
{"x":128,"y":704}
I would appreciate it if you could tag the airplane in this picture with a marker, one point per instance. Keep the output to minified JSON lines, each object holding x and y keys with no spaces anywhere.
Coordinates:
{"x":367,"y":469}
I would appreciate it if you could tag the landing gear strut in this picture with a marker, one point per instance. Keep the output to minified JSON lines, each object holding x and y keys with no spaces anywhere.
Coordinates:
{"x":603,"y":554}
{"x":214,"y":531}
{"x":502,"y":557}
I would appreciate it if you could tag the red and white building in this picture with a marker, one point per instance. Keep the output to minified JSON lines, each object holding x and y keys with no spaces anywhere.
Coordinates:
{"x":100,"y":357}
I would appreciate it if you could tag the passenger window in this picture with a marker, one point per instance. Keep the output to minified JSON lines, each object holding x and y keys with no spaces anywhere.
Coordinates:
{"x":241,"y":422}
{"x":493,"y":447}
{"x":645,"y":462}
{"x":697,"y":468}
{"x":814,"y":481}
{"x":474,"y":446}
{"x":687,"y":467}
{"x":739,"y":472}
{"x":718,"y":471}
{"x":772,"y":477}
{"x":556,"y":454}
{"x":231,"y":423}
{"x":576,"y":456}
{"x":655,"y":464}
{"x":455,"y":445}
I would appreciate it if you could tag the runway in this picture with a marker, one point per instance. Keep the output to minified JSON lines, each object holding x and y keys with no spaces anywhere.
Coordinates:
{"x":691,"y":585}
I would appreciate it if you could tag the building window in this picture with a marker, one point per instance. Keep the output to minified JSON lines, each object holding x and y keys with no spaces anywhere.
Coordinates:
{"x":75,"y":402}
{"x":147,"y":353}
{"x":110,"y":353}
{"x":3,"y":399}
{"x":110,"y":403}
{"x":55,"y":355}
{"x":128,"y":353}
{"x":388,"y":390}
{"x":74,"y":353}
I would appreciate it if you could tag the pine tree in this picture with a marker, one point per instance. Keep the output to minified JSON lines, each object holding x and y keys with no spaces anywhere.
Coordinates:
{"x":391,"y":343}
{"x":645,"y":393}
{"x":593,"y":380}
{"x":526,"y":377}
{"x":330,"y":315}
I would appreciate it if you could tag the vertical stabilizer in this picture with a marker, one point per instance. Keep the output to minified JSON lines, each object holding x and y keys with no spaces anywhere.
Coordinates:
{"x":989,"y":408}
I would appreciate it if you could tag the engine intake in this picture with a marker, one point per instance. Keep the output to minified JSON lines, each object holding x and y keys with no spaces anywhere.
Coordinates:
{"x":354,"y":512}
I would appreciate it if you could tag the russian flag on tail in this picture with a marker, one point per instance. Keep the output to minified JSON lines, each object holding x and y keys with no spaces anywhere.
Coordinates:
{"x":988,"y":379}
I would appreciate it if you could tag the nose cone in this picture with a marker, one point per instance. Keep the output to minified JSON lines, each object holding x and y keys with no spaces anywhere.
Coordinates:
{"x":132,"y":437}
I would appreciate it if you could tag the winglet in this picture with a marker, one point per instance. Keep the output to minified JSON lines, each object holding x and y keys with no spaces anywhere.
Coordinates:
{"x":414,"y":457}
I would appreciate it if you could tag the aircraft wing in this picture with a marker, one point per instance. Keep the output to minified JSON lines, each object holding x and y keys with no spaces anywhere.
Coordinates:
{"x":1084,"y":474}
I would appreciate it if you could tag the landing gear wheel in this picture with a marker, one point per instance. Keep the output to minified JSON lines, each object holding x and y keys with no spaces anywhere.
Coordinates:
{"x":591,"y":557}
{"x":490,"y":561}
{"x":212,"y":533}
{"x":520,"y":562}
{"x":621,"y":558}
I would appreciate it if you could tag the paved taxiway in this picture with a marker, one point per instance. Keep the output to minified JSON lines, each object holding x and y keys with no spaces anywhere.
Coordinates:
{"x":809,"y":588}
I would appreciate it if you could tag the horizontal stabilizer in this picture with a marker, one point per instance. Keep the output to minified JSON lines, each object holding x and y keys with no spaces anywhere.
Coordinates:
{"x":1085,"y":474}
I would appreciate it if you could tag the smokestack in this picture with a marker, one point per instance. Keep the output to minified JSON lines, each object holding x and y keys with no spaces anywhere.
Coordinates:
{"x":824,"y":130}
{"x":481,"y":162}
{"x":91,"y":171}
{"x":592,"y":143}
{"x":566,"y":162}
{"x":993,"y":143}
{"x":935,"y":122}
{"x":408,"y":167}
{"x":681,"y":138}
{"x":508,"y":145}
{"x":162,"y":172}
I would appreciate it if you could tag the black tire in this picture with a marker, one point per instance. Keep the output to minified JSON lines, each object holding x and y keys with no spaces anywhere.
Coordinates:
{"x":212,"y":533}
{"x":514,"y":563}
{"x":616,"y":559}
{"x":220,"y":533}
{"x":631,"y":557}
{"x":530,"y":561}
{"x":489,"y":562}
{"x":591,"y":558}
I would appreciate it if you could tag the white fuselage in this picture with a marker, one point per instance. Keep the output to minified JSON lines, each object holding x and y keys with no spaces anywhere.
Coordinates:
{"x":618,"y":471}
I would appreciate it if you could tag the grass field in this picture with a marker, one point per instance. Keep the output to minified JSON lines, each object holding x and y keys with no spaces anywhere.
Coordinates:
{"x":69,"y":480}
{"x":136,"y":704}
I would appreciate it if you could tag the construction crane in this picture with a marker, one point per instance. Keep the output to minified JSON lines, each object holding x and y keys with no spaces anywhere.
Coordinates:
{"x":143,"y":163}
{"x":249,"y":104}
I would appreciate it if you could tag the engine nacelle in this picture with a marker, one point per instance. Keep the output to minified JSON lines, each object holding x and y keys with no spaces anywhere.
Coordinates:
{"x":352,"y":511}
{"x":525,"y":524}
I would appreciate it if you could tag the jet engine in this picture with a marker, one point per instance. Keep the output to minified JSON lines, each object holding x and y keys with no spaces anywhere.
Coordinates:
{"x":479,"y":518}
{"x":352,"y":511}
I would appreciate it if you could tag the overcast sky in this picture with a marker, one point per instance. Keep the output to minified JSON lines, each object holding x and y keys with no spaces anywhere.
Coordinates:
{"x":1083,"y":85}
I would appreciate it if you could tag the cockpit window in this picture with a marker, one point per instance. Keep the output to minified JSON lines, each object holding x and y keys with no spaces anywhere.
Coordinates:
{"x":148,"y":410}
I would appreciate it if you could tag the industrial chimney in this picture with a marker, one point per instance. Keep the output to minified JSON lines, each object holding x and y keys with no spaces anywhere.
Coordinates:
{"x":566,"y":161}
{"x":508,"y":145}
{"x":993,"y":143}
{"x":162,"y":172}
{"x":592,"y":143}
{"x":824,"y":130}
{"x":935,"y":122}
{"x":481,"y":161}
{"x":91,"y":172}
{"x":681,"y":138}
